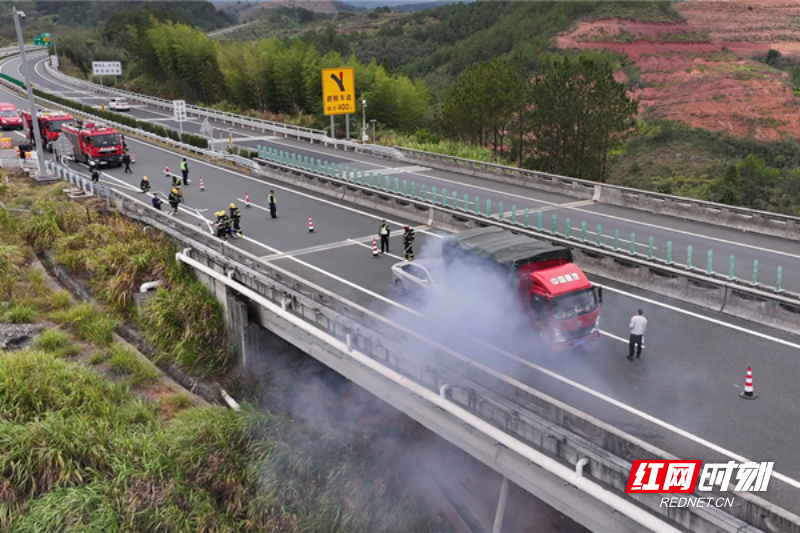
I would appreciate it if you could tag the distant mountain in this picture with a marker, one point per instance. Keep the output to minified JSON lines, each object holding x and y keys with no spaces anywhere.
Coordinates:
{"x":413,"y":8}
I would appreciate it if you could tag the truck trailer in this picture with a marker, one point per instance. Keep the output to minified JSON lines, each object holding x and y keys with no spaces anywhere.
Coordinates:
{"x":50,"y":123}
{"x":94,"y":142}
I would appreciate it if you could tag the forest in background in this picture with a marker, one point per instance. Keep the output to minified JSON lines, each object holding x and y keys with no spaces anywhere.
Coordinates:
{"x":406,"y":68}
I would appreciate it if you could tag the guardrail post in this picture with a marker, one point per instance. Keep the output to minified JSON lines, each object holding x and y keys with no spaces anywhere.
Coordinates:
{"x":779,"y":280}
{"x":689,"y":257}
{"x":669,"y":252}
{"x":513,"y":214}
{"x":583,"y":231}
{"x":710,"y":263}
{"x":616,"y":240}
{"x":568,"y":228}
{"x":413,"y":190}
{"x":599,"y":236}
{"x":397,"y":185}
{"x":405,"y":187}
{"x":488,"y":207}
{"x":539,"y":221}
{"x":434,"y":196}
{"x":339,"y":171}
{"x":731,"y":266}
{"x":500,"y":211}
{"x":650,"y":247}
{"x":554,"y":224}
{"x":319,"y":166}
{"x":455,"y":200}
{"x":305,"y":162}
{"x":477,"y":205}
{"x":754,"y":281}
{"x":347,"y":176}
{"x":444,"y":197}
{"x":424,"y":194}
{"x":527,"y":217}
{"x":466,"y":202}
{"x":633,"y":244}
{"x":387,"y":182}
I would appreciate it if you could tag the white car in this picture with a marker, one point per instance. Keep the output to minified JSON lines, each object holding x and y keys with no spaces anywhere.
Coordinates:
{"x":119,"y":104}
{"x":417,"y":278}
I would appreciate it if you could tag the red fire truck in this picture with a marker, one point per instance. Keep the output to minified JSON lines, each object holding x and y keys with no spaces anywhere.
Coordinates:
{"x":50,"y":123}
{"x":96,"y":142}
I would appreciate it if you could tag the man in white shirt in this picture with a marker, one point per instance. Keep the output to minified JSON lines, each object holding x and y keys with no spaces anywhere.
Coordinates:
{"x":638,"y":326}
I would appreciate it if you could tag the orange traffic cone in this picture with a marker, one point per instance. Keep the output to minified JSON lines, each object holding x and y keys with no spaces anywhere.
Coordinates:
{"x":310,"y":225}
{"x":246,"y":200}
{"x":748,"y":393}
{"x":201,"y":185}
{"x":374,"y":247}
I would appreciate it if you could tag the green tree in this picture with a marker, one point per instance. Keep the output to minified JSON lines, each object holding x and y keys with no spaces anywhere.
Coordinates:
{"x":579,"y":114}
{"x":727,"y":187}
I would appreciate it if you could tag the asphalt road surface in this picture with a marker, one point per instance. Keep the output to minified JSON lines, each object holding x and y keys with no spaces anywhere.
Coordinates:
{"x":682,"y":396}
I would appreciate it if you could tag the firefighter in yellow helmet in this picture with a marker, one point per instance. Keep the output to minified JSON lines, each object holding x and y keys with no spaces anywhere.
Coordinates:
{"x":144,"y":185}
{"x":223,"y":225}
{"x":235,"y":216}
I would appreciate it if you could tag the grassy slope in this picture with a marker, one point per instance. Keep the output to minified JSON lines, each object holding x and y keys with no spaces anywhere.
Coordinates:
{"x":80,"y":453}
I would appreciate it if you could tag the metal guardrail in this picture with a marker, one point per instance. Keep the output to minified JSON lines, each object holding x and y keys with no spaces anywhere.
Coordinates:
{"x":286,"y":130}
{"x":765,"y":222}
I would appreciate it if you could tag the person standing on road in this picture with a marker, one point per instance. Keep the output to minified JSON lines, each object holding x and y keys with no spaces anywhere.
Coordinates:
{"x":185,"y":171}
{"x":144,"y":185}
{"x":126,"y":160}
{"x":273,"y":206}
{"x":408,"y":242}
{"x":235,"y":216}
{"x":174,"y":200}
{"x":23,"y":147}
{"x":94,"y":171}
{"x":176,"y":185}
{"x":223,"y":225}
{"x":156,"y":201}
{"x":638,"y":326}
{"x":383,"y":233}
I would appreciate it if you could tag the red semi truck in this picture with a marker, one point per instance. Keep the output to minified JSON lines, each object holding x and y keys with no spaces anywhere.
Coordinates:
{"x":557,"y":297}
{"x":91,"y":141}
{"x":50,"y":123}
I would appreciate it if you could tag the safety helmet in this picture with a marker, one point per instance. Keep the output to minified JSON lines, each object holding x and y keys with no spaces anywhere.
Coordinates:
{"x":405,"y":227}
{"x":144,"y":178}
{"x":233,"y":205}
{"x":175,"y":191}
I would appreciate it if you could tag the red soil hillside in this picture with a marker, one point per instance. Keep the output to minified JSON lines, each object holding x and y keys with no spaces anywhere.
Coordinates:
{"x":699,"y":72}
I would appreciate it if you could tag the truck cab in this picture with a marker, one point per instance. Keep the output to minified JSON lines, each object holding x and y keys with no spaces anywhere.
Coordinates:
{"x":94,"y":142}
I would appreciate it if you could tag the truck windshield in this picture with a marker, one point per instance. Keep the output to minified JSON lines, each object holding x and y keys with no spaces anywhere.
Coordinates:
{"x":55,"y":125}
{"x":102,"y":141}
{"x":573,"y":304}
{"x":8,"y":113}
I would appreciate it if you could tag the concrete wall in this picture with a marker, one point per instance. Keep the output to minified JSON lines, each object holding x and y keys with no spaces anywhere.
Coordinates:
{"x":763,"y":222}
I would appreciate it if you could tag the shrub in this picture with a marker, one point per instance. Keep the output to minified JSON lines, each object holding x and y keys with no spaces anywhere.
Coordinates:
{"x":124,"y":361}
{"x":89,"y":323}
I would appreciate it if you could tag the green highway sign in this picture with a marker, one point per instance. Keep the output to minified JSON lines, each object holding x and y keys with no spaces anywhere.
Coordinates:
{"x":44,"y":39}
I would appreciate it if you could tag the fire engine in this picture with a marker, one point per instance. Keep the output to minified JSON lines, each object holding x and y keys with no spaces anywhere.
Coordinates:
{"x":50,"y":123}
{"x":96,"y":142}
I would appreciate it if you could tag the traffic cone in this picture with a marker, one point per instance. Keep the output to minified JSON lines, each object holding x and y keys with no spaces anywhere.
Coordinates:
{"x":310,"y":225}
{"x":201,"y":185}
{"x":246,"y":200}
{"x":374,"y":247}
{"x":166,"y":169}
{"x":748,"y":393}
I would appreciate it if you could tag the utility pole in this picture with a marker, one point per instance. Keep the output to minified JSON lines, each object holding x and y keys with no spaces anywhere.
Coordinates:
{"x":34,"y":117}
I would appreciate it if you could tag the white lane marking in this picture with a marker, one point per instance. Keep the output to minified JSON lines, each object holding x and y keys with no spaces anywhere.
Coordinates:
{"x":365,"y":245}
{"x":703,"y":317}
{"x":555,"y":205}
{"x":559,"y":377}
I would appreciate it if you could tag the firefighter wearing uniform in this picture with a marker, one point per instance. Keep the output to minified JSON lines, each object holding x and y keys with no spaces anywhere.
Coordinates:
{"x":408,"y":242}
{"x":235,"y":216}
{"x":223,"y":225}
{"x":176,"y":185}
{"x":383,"y":233}
{"x":95,"y":172}
{"x":174,"y":200}
{"x":144,"y":185}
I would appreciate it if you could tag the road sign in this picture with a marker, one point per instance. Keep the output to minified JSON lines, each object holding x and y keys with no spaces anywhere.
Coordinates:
{"x":338,"y":91}
{"x":106,"y":68}
{"x":179,"y":110}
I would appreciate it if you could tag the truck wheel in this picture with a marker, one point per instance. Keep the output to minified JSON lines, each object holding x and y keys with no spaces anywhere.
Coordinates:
{"x":399,"y":288}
